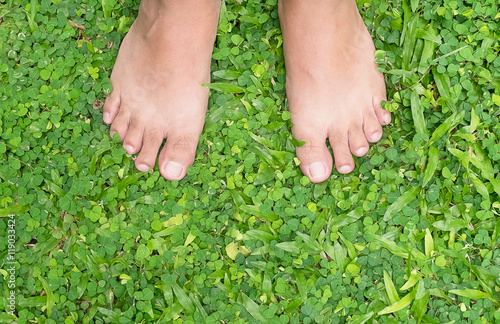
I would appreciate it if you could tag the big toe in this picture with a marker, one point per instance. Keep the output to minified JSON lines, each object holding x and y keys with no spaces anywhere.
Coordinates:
{"x":315,"y":159}
{"x":177,"y":155}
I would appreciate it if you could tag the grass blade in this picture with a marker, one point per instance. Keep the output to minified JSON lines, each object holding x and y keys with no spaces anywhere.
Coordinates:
{"x":390,"y":289}
{"x":431,"y":41}
{"x":216,"y":115}
{"x":410,"y":39}
{"x":343,"y":220}
{"x":414,"y":278}
{"x":414,"y":5}
{"x":226,"y":74}
{"x":251,"y":307}
{"x":443,"y":84}
{"x":485,"y":277}
{"x":198,"y":306}
{"x":419,"y":306}
{"x":391,"y":246}
{"x":31,"y":17}
{"x":259,"y":235}
{"x":449,"y":124}
{"x":183,"y":299}
{"x":291,"y":247}
{"x":49,"y":294}
{"x":439,"y":293}
{"x":399,"y":305}
{"x":402,"y":201}
{"x":461,"y":156}
{"x":301,"y":285}
{"x":431,"y":165}
{"x":429,"y":243}
{"x":362,"y":319}
{"x":37,"y":301}
{"x":470,"y":293}
{"x":13,"y":210}
{"x":224,"y":87}
{"x":496,"y":233}
{"x":264,"y":175}
{"x":107,"y":7}
{"x":454,"y":225}
{"x":417,"y":112}
{"x":340,"y":256}
{"x":479,"y":185}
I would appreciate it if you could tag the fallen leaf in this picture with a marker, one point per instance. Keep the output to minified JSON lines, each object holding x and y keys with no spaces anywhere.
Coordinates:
{"x":74,"y":24}
{"x":97,"y":104}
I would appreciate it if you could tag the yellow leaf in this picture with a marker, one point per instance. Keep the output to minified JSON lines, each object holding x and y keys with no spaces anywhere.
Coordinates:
{"x":429,"y":243}
{"x":190,"y":238}
{"x":174,"y":221}
{"x":232,"y":250}
{"x":496,"y":99}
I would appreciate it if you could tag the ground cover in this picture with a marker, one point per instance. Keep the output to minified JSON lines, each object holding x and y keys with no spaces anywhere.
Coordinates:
{"x":410,"y":236}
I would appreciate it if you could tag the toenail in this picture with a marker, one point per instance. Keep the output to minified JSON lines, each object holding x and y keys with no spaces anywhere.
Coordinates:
{"x":173,"y":170}
{"x":377,"y":135}
{"x":344,"y":169}
{"x":361,"y":151}
{"x":317,"y":170}
{"x":106,"y":117}
{"x":142,"y":167}
{"x":128,"y":148}
{"x":387,"y":118}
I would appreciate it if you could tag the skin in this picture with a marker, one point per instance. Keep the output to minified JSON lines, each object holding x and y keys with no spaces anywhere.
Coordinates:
{"x":157,"y":93}
{"x":333,"y":88}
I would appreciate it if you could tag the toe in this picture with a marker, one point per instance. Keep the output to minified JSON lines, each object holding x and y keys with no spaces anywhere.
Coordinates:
{"x":135,"y":133}
{"x":341,"y":152}
{"x":152,"y":141}
{"x":111,"y":107}
{"x":315,"y":159}
{"x":383,"y":116}
{"x":177,"y":155}
{"x":372,"y":127}
{"x":120,"y":124}
{"x":357,"y":140}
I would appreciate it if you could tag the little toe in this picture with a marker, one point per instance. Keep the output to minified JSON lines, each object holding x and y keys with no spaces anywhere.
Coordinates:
{"x":111,"y":107}
{"x":177,"y":155}
{"x":357,"y":140}
{"x":120,"y":125}
{"x":383,"y":116}
{"x":372,"y":128}
{"x":341,"y":152}
{"x":315,"y":159}
{"x":152,"y":141}
{"x":135,"y":133}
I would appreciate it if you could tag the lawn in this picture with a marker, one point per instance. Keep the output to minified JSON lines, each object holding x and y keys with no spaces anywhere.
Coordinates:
{"x":410,"y":236}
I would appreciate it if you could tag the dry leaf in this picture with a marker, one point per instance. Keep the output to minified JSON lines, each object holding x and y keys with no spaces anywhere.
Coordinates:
{"x":97,"y":104}
{"x":76,"y":25}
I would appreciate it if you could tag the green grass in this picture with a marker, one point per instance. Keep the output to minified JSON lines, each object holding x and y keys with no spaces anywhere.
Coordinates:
{"x":410,"y":236}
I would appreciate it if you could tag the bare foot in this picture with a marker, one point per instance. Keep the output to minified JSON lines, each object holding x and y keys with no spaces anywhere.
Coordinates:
{"x":333,"y":88}
{"x":157,"y":77}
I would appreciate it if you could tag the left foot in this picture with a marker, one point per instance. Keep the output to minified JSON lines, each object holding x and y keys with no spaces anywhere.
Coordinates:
{"x":333,"y":88}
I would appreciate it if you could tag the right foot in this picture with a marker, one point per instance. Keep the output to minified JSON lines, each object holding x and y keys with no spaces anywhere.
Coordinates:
{"x":157,"y":77}
{"x":332,"y":84}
